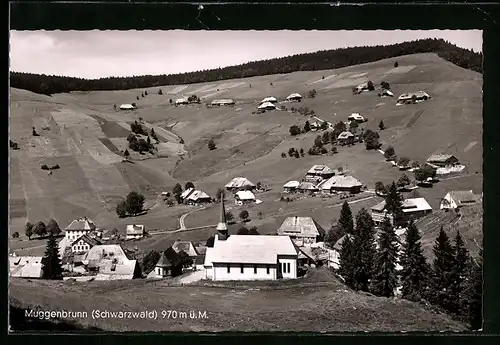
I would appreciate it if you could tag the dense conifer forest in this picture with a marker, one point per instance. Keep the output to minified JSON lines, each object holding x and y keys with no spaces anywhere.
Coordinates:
{"x":321,"y":60}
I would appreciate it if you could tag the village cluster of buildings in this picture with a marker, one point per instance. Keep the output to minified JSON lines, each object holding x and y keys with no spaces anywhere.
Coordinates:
{"x":321,"y":178}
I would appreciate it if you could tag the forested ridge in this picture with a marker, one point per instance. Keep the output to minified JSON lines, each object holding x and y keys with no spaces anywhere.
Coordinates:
{"x":321,"y":60}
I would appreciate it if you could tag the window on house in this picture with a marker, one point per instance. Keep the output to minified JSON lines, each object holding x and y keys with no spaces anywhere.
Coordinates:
{"x":268,"y":269}
{"x":228,"y":268}
{"x":288,"y":268}
{"x":241,"y":268}
{"x":255,"y":269}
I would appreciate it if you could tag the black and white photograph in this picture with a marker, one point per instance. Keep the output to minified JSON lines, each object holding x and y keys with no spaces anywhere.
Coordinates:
{"x":245,"y":181}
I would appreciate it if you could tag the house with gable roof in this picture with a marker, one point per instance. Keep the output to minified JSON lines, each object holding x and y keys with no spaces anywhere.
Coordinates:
{"x":303,"y":231}
{"x":456,"y":199}
{"x":79,"y":227}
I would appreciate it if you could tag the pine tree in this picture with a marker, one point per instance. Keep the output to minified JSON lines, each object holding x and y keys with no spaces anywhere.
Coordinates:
{"x":460,"y":268}
{"x":346,"y":221}
{"x":364,"y":246}
{"x":385,"y":278}
{"x":442,"y":271}
{"x":393,"y":202}
{"x":51,"y":263}
{"x":381,"y":125}
{"x":474,"y":293}
{"x":414,"y":275}
{"x":347,"y":261}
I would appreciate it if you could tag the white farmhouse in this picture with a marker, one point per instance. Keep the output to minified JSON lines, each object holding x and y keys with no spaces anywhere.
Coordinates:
{"x":249,"y":257}
{"x":25,"y":266}
{"x":181,"y":101}
{"x":457,"y":199}
{"x":222,"y":102}
{"x":79,"y":227}
{"x":240,"y":183}
{"x":134,"y":231}
{"x":356,"y":117}
{"x":127,"y":107}
{"x":267,"y":106}
{"x":269,"y":100}
{"x":294,"y":97}
{"x":244,"y":197}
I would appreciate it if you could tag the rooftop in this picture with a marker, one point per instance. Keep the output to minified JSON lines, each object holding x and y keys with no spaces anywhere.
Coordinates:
{"x":320,"y":169}
{"x":266,"y":105}
{"x":307,"y":186}
{"x":250,"y":249}
{"x":463,"y":196}
{"x":341,"y":181}
{"x":198,"y":194}
{"x":269,"y":99}
{"x":299,"y":226}
{"x":186,"y":246}
{"x":408,"y":205}
{"x":291,"y":184}
{"x":345,"y":135}
{"x":294,"y":95}
{"x":438,"y":157}
{"x":245,"y":195}
{"x":186,"y":193}
{"x":82,"y":223}
{"x":90,"y":240}
{"x":238,"y":182}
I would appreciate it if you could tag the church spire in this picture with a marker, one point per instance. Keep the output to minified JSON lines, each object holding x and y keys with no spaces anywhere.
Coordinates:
{"x":222,"y":226}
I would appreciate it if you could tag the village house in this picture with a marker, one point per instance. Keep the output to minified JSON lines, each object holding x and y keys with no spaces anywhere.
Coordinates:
{"x":240,"y":183}
{"x":413,"y":96}
{"x":187,"y":247}
{"x":334,"y":257}
{"x":169,"y":264}
{"x":134,"y":232}
{"x":267,"y":106}
{"x":83,"y":244}
{"x":244,"y":197}
{"x":314,"y":126}
{"x":222,"y":102}
{"x":412,"y":208}
{"x":442,"y":160}
{"x":305,"y":257}
{"x":341,"y":183}
{"x":79,"y":227}
{"x":181,"y":101}
{"x":25,"y":266}
{"x":362,"y":87}
{"x":291,"y":186}
{"x":269,"y":100}
{"x":110,"y":262}
{"x":294,"y":97}
{"x":320,"y":170}
{"x":386,"y":93}
{"x":127,"y":107}
{"x":346,"y":138}
{"x":307,"y":187}
{"x":198,"y":197}
{"x":456,"y":199}
{"x":249,"y":257}
{"x":303,"y":231}
{"x":356,"y":117}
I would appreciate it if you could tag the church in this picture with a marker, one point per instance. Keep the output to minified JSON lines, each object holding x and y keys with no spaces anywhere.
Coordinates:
{"x":249,"y":257}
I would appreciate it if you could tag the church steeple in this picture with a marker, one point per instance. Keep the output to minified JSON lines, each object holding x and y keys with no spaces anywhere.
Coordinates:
{"x":222,"y":226}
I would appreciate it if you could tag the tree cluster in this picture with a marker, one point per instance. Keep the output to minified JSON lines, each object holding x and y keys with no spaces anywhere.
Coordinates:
{"x":132,"y":205}
{"x":41,"y":230}
{"x":321,"y":60}
{"x":245,"y":231}
{"x":453,"y":282}
{"x":371,"y":139}
{"x":311,"y":93}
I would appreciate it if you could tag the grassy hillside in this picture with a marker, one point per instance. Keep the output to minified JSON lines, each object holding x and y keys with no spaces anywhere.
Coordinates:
{"x":317,"y":303}
{"x":84,"y":135}
{"x":320,"y":60}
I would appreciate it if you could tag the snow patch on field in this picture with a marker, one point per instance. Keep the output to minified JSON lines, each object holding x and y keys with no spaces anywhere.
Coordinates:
{"x":358,"y":75}
{"x":203,"y":88}
{"x":449,"y":170}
